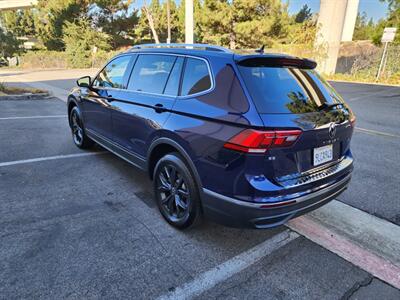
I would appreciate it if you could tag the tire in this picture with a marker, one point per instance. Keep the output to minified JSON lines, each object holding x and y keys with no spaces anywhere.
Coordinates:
{"x":81,"y":140}
{"x":176,"y":192}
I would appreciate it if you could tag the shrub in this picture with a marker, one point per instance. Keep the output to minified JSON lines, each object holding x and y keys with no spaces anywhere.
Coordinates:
{"x":44,"y":59}
{"x":61,"y":60}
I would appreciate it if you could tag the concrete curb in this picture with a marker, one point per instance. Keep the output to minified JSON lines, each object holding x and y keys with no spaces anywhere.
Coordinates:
{"x":27,"y":96}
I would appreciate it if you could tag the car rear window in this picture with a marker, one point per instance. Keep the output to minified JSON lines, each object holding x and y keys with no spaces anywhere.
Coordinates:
{"x":287,"y":90}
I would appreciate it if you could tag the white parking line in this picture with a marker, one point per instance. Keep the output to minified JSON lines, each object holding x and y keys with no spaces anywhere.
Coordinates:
{"x":375,"y":132}
{"x":39,"y":159}
{"x":220,"y":273}
{"x":33,"y":117}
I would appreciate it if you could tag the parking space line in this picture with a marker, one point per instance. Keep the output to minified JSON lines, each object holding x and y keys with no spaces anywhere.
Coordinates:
{"x":222,"y":272}
{"x":375,"y":132}
{"x":33,"y":117}
{"x":39,"y":159}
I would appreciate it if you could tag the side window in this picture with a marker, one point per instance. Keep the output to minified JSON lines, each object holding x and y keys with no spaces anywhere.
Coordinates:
{"x":196,"y":77}
{"x":172,"y":86}
{"x":150,"y":73}
{"x":112,"y":75}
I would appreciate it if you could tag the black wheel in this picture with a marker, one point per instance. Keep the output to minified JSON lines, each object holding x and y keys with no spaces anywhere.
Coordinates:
{"x":176,"y":191}
{"x":81,"y":140}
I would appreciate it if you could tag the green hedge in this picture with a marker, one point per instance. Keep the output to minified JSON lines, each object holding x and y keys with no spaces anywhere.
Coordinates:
{"x":43,"y":60}
{"x":60,"y":60}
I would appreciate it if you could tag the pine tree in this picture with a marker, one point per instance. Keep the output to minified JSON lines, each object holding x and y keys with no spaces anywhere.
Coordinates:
{"x":303,"y":15}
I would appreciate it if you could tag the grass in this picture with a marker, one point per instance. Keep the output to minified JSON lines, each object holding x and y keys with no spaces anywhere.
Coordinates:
{"x":394,"y":79}
{"x":13,"y":90}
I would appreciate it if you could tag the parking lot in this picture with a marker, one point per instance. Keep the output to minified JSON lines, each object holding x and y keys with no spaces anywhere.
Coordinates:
{"x":78,"y":224}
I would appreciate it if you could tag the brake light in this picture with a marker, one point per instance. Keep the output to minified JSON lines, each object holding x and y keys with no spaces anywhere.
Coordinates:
{"x":353,"y":121}
{"x":254,"y":141}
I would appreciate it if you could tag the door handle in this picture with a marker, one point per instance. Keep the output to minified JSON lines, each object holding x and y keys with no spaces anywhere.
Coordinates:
{"x":159,"y":108}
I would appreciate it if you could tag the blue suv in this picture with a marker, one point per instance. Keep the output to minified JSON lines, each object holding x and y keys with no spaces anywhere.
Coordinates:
{"x":245,"y":140}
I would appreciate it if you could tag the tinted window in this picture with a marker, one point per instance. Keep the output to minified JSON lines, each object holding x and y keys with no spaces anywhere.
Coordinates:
{"x":285,"y":90}
{"x":172,"y":86}
{"x":196,"y":77}
{"x":113,"y":74}
{"x":150,"y":73}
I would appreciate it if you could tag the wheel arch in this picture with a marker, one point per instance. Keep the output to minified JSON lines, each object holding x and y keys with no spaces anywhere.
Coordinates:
{"x":71,"y":103}
{"x":163,"y":146}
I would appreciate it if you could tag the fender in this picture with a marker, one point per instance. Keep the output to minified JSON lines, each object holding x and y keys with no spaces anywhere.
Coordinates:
{"x":183,"y":152}
{"x":71,"y":100}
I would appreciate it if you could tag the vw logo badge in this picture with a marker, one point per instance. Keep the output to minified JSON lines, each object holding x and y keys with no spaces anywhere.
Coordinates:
{"x":332,"y":130}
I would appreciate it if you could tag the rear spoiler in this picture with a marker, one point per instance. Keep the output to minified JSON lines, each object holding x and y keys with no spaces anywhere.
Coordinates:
{"x":275,"y":61}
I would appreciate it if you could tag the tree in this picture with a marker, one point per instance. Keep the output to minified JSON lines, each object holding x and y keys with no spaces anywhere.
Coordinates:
{"x":260,"y":22}
{"x":116,"y":18}
{"x":150,"y":20}
{"x":364,"y":29}
{"x":51,"y":17}
{"x":153,"y":21}
{"x":303,"y":15}
{"x":9,"y":45}
{"x":20,"y":22}
{"x":243,"y":23}
{"x":216,"y":22}
{"x":79,"y":38}
{"x":393,"y":20}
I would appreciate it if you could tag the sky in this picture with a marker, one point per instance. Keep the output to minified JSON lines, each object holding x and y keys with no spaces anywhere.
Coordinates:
{"x":374,"y":8}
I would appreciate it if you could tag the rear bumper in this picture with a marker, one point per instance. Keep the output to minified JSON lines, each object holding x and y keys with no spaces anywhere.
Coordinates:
{"x":238,"y":213}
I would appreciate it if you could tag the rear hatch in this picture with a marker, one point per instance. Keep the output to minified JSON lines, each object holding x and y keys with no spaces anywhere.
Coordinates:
{"x":290,"y":95}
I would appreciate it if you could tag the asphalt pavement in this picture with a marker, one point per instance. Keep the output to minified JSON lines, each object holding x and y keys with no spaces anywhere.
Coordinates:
{"x":375,"y":186}
{"x":82,"y":226}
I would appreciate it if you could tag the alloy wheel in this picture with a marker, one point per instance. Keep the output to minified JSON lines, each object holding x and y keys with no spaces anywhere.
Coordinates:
{"x":77,"y":131}
{"x":173,"y":193}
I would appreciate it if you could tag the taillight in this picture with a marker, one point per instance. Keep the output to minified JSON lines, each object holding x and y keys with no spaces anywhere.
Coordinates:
{"x":353,"y":121}
{"x":254,"y":141}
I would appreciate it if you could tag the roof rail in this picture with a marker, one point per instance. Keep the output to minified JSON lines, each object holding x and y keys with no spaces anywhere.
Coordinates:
{"x":186,"y":46}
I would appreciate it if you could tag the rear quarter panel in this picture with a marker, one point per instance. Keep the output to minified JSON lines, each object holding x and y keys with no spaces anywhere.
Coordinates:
{"x":202,"y":124}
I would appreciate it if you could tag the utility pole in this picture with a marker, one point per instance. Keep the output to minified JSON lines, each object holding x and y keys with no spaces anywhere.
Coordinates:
{"x":189,"y":21}
{"x":169,"y":23}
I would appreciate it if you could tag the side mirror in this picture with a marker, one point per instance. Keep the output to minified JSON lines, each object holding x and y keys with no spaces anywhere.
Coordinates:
{"x":84,"y":81}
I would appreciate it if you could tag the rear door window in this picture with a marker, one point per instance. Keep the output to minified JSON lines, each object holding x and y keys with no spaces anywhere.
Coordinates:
{"x":150,"y":73}
{"x":112,"y":76}
{"x":286,"y":90}
{"x":196,"y":77}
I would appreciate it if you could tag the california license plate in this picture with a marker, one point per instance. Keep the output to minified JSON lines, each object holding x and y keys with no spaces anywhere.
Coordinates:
{"x":323,"y":154}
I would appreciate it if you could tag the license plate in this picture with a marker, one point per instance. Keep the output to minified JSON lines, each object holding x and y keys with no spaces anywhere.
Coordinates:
{"x":323,"y":154}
